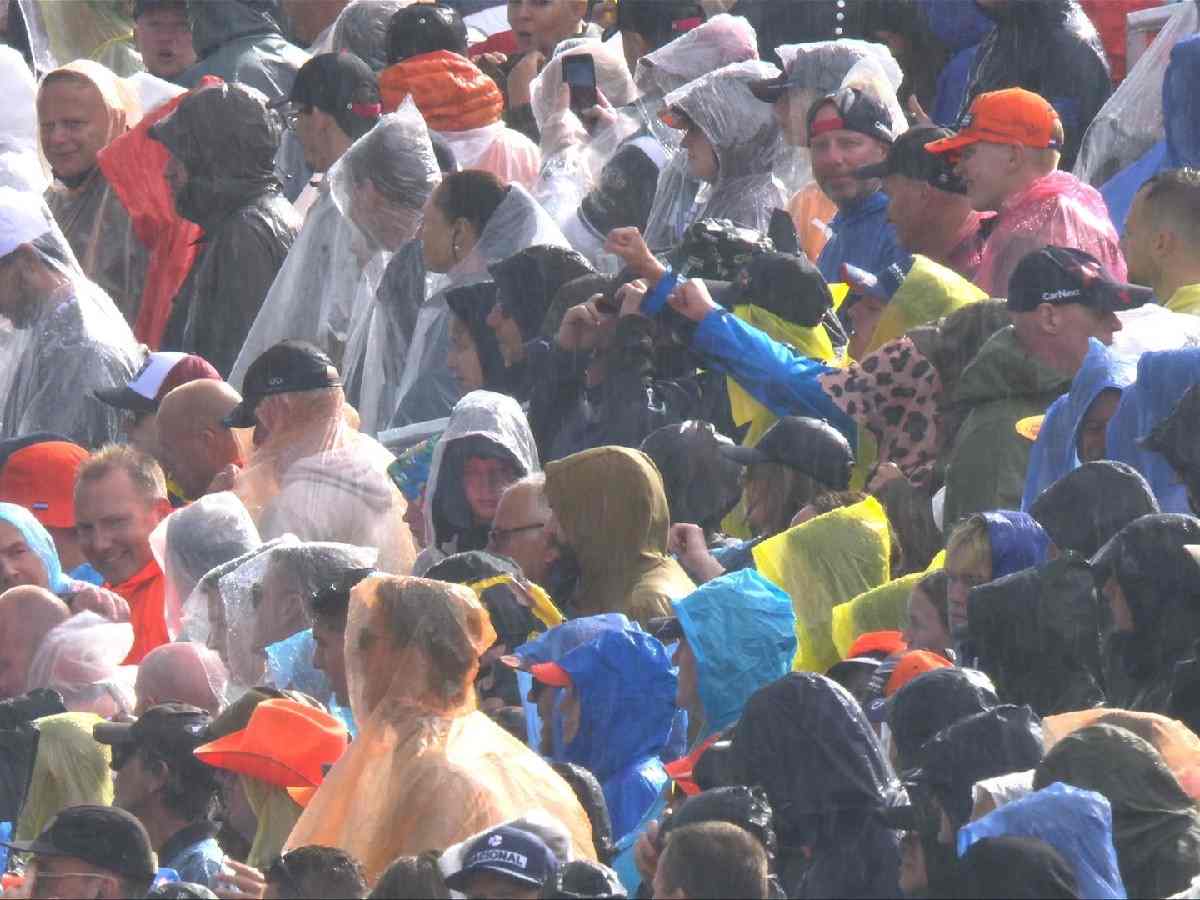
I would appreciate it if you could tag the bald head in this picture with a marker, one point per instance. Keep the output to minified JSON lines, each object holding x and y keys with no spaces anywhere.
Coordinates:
{"x":27,"y":614}
{"x":194,"y":443}
{"x":181,"y":673}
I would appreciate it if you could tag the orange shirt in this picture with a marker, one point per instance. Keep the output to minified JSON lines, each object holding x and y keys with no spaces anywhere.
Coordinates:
{"x":144,"y":592}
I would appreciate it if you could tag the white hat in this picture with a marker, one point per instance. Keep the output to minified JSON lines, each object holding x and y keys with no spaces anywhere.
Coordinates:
{"x":21,"y":219}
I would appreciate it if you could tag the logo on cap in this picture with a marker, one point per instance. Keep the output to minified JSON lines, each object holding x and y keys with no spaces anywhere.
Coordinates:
{"x":1063,"y":294}
{"x":495,"y":840}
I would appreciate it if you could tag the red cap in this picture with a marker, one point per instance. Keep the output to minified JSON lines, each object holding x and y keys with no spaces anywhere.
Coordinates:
{"x":873,"y":643}
{"x":1011,"y":116}
{"x":41,"y":478}
{"x":161,"y":373}
{"x":551,"y":673}
{"x":918,"y":662}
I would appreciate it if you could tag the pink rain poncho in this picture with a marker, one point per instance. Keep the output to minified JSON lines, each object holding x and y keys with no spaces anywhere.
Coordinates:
{"x":1056,"y":209}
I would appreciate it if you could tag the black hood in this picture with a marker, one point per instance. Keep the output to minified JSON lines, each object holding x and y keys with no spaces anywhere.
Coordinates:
{"x":932,"y":702}
{"x":215,"y":23}
{"x":995,"y":742}
{"x":1037,"y":634}
{"x":745,"y":807}
{"x":528,"y":281}
{"x":703,"y":485}
{"x":471,"y":304}
{"x":227,"y":139}
{"x":1086,"y":507}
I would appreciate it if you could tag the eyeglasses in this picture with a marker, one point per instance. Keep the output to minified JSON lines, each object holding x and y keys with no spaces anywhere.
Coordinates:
{"x":496,"y":535}
{"x":42,"y":881}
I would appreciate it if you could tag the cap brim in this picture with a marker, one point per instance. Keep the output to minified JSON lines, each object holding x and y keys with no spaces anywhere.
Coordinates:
{"x":1030,"y":427}
{"x":768,"y":90}
{"x":855,"y":662}
{"x":551,"y":673}
{"x":458,"y":881}
{"x":879,"y":170}
{"x":743,"y":456}
{"x":241,"y":417}
{"x":113,"y":733}
{"x":951,"y":144}
{"x":126,"y":399}
{"x":36,"y":847}
{"x":1120,"y":296}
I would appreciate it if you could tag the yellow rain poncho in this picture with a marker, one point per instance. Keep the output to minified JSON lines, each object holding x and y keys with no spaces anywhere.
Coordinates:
{"x":822,"y":563}
{"x":929,"y":292}
{"x":884,"y":608}
{"x":70,"y":768}
{"x":427,"y":769}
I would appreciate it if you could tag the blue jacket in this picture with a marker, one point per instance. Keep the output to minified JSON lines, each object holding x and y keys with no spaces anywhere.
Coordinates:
{"x":1161,"y":380}
{"x":863,"y":237}
{"x":774,"y":374}
{"x":1055,"y":450}
{"x":626,"y":690}
{"x":1018,"y":542}
{"x":742,"y":631}
{"x":959,"y":27}
{"x":1181,"y":121}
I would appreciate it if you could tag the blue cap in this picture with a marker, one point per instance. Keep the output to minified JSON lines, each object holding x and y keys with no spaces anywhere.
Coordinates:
{"x":510,"y":852}
{"x":882,"y":286}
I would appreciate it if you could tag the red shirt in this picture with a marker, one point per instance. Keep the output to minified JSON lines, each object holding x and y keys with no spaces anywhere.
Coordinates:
{"x":144,"y":592}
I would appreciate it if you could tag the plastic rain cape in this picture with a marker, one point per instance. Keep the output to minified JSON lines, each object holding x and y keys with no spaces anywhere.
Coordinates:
{"x":70,"y":769}
{"x":61,"y":32}
{"x":427,"y":389}
{"x":68,"y":344}
{"x":380,"y":186}
{"x":317,"y":478}
{"x":427,"y":769}
{"x":822,"y":563}
{"x":91,"y":214}
{"x":1056,"y":450}
{"x":193,"y":541}
{"x":20,"y":164}
{"x":571,"y":158}
{"x":884,"y":608}
{"x":929,"y":292}
{"x":1076,"y":823}
{"x":747,"y":141}
{"x":722,"y":40}
{"x":81,"y":659}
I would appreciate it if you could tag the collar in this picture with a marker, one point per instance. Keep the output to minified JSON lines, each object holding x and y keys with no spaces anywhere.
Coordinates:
{"x":185,"y":838}
{"x":138,"y":579}
{"x":871,"y":205}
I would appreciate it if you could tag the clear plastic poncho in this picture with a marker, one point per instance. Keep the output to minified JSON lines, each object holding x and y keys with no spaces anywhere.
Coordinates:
{"x":315,"y":477}
{"x":748,"y":143}
{"x":571,"y":157}
{"x":194,"y":540}
{"x":362,"y":29}
{"x":720,"y":41}
{"x":20,"y":164}
{"x":380,"y":186}
{"x":427,"y":389}
{"x":60,"y":32}
{"x":91,"y":214}
{"x":64,"y":343}
{"x":81,"y":659}
{"x":427,"y":768}
{"x":1131,"y":120}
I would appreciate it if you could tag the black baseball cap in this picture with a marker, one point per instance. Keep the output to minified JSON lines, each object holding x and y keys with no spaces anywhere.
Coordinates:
{"x":425,"y":28}
{"x":102,"y":836}
{"x":288,"y":367}
{"x":811,"y":446}
{"x":857,"y":110}
{"x":175,"y":729}
{"x":342,"y":85}
{"x":509,"y":851}
{"x":908,"y":157}
{"x":1062,"y":275}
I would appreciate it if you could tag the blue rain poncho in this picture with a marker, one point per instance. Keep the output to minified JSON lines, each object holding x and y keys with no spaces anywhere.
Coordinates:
{"x":39,"y":542}
{"x":1075,"y":822}
{"x":626,"y":689}
{"x":1017,"y":541}
{"x":1162,"y":379}
{"x":1055,"y":452}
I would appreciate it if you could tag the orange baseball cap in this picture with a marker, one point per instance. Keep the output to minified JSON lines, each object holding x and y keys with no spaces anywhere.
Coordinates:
{"x":551,"y":673}
{"x":1010,"y":116}
{"x":286,"y":743}
{"x":912,"y":664}
{"x":41,"y":478}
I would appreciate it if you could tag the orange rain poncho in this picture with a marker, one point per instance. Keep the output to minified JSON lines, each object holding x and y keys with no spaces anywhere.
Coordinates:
{"x":427,"y":769}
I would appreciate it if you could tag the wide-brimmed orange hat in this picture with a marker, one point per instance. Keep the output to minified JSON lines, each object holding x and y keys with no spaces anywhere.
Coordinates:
{"x":1010,"y":116}
{"x":286,"y":743}
{"x":41,"y":478}
{"x":882,"y":643}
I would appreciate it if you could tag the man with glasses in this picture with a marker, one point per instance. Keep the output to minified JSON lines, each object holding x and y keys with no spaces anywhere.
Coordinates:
{"x":518,"y":528}
{"x":94,"y":852}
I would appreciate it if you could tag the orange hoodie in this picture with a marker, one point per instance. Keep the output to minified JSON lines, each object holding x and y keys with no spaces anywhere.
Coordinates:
{"x":451,"y":92}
